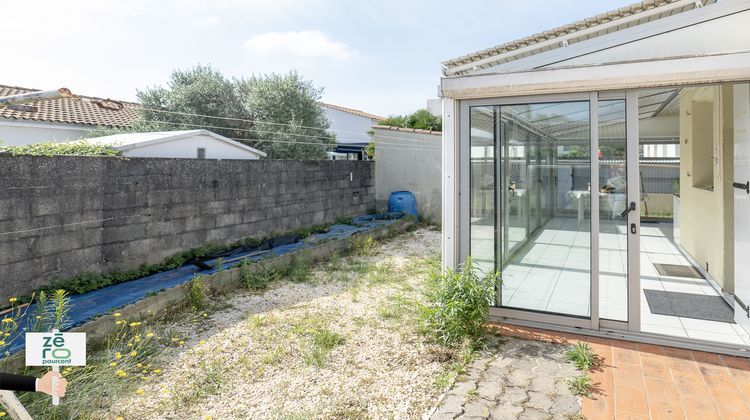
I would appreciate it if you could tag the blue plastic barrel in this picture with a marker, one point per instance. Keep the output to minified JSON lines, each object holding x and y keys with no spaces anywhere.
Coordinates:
{"x":403,"y":202}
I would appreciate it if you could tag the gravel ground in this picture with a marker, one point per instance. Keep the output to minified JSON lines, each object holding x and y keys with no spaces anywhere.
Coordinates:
{"x":342,"y":345}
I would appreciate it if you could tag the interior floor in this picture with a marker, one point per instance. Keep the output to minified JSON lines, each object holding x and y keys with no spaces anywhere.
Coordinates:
{"x":552,"y":274}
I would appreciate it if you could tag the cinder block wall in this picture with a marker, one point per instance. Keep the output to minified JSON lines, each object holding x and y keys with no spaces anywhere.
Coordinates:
{"x":63,"y":216}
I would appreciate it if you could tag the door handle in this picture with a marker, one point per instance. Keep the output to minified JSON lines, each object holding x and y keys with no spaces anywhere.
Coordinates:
{"x":628,"y":210}
{"x":745,"y":186}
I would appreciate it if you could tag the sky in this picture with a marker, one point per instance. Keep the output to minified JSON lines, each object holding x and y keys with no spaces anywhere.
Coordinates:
{"x":382,"y":57}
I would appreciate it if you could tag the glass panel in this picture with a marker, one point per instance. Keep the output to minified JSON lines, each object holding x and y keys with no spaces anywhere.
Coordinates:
{"x":482,"y":195}
{"x":546,"y":167}
{"x":613,"y":236}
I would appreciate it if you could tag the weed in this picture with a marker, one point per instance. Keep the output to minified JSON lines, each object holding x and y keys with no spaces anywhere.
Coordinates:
{"x":363,"y":245}
{"x":343,"y":220}
{"x":60,"y":307}
{"x":323,"y":340}
{"x":196,"y":295}
{"x":458,"y":303}
{"x":257,"y":321}
{"x":300,"y":270}
{"x":334,"y":263}
{"x":383,"y":273}
{"x":219,"y":265}
{"x":580,"y":385}
{"x":264,"y":275}
{"x":582,"y":357}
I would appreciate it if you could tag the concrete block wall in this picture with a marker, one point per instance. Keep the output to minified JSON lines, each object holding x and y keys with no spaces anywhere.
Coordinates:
{"x":63,"y":216}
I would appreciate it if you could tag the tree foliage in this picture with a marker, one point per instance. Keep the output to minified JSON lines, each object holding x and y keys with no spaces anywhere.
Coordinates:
{"x":277,"y":114}
{"x":421,"y":119}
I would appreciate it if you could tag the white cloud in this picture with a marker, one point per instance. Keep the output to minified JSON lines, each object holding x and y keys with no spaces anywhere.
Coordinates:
{"x":298,"y":45}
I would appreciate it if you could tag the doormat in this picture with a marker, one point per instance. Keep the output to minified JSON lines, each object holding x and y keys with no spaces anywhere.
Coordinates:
{"x":675,"y":270}
{"x":688,"y":305}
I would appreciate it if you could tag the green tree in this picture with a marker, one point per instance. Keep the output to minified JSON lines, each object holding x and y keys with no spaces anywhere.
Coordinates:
{"x":287,"y":114}
{"x":421,"y":119}
{"x":277,"y":114}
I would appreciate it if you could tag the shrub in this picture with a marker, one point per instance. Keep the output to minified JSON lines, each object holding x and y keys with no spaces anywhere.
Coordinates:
{"x":75,"y":148}
{"x":458,"y":303}
{"x":300,"y":270}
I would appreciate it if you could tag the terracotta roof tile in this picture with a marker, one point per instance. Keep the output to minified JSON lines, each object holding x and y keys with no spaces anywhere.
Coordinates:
{"x":353,"y":111}
{"x":82,"y":110}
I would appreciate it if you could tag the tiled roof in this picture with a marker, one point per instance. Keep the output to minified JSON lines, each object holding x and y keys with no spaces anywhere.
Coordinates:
{"x":353,"y":111}
{"x":82,"y":110}
{"x":408,"y":130}
{"x":569,"y":30}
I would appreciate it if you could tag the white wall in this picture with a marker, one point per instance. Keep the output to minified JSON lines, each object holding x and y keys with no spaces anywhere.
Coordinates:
{"x":408,"y":161}
{"x":349,"y":128}
{"x":188,"y":148}
{"x":18,"y":133}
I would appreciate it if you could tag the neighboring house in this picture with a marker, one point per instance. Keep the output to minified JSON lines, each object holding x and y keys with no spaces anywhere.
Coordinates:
{"x":61,"y":119}
{"x":408,"y":159}
{"x":351,"y":127}
{"x":190,"y":144}
{"x":548,"y":144}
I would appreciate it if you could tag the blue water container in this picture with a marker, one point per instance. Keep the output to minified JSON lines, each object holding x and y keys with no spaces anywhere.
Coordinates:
{"x":403,"y":202}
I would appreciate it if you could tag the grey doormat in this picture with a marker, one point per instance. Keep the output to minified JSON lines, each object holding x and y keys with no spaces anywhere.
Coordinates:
{"x":688,"y":305}
{"x":674,"y":270}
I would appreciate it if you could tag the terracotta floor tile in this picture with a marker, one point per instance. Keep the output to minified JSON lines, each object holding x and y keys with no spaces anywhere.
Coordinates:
{"x":641,"y":381}
{"x":665,"y":410}
{"x":699,"y":411}
{"x":655,"y":368}
{"x":631,"y":399}
{"x":598,"y":409}
{"x":627,"y":376}
{"x":661,"y":391}
{"x":627,"y":415}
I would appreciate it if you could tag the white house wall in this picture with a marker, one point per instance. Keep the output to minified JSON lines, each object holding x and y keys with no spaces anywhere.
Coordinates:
{"x":349,"y":128}
{"x":188,"y":148}
{"x":18,"y":133}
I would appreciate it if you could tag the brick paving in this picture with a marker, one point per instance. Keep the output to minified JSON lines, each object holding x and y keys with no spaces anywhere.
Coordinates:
{"x":643,"y":381}
{"x":513,"y":378}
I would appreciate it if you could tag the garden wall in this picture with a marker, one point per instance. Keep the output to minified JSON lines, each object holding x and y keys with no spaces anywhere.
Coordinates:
{"x":63,"y":216}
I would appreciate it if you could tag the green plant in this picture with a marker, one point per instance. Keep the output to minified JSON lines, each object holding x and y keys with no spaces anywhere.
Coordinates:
{"x":323,"y":341}
{"x":299,"y":270}
{"x":196,"y":295}
{"x":60,"y":308}
{"x":363,"y":245}
{"x":458,"y":302}
{"x":262,"y":277}
{"x":582,"y":356}
{"x":581,"y":386}
{"x":78,"y":148}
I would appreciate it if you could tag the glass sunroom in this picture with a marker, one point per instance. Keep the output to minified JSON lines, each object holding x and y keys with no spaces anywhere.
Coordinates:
{"x":603,"y":169}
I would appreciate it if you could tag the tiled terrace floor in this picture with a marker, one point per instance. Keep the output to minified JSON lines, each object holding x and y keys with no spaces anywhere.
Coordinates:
{"x":642,"y":381}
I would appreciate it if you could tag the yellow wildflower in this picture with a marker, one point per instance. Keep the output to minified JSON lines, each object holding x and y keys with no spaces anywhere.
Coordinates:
{"x":182,"y":343}
{"x":175,"y":338}
{"x":139,"y":365}
{"x":139,"y":391}
{"x":157,"y":371}
{"x":38,"y":317}
{"x":202,"y":342}
{"x":133,"y":353}
{"x":149,"y":335}
{"x":118,"y":355}
{"x":113,"y":364}
{"x":117,"y":315}
{"x":13,"y":300}
{"x":120,"y":322}
{"x":2,"y":343}
{"x":120,"y":418}
{"x":130,"y":344}
{"x":3,"y":414}
{"x":121,"y":373}
{"x":7,"y":320}
{"x":135,"y":324}
{"x":145,"y":378}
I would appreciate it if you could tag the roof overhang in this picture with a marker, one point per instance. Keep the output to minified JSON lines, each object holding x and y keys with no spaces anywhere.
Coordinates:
{"x":674,"y":71}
